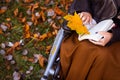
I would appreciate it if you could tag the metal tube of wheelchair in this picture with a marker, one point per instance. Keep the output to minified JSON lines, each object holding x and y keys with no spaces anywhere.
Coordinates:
{"x":53,"y":54}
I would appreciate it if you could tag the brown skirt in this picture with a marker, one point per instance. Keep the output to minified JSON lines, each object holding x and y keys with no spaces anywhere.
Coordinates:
{"x":86,"y":61}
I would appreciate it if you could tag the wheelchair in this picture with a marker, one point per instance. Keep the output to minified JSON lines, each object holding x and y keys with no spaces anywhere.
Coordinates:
{"x":53,"y":67}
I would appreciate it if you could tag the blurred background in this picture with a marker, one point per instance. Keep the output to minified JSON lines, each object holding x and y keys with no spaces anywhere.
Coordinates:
{"x":27,"y":31}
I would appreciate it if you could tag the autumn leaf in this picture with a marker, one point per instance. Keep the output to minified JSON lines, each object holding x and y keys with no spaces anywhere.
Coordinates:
{"x":42,"y":15}
{"x":26,"y":31}
{"x":54,"y":26}
{"x":10,"y":50}
{"x":1,"y":32}
{"x":55,"y":32}
{"x":49,"y":34}
{"x":75,"y":23}
{"x":67,"y":7}
{"x":23,"y":20}
{"x":42,"y":60}
{"x":43,"y":36}
{"x":20,"y":15}
{"x":47,"y":1}
{"x":34,"y":19}
{"x":7,"y":1}
{"x":8,"y":19}
{"x":8,"y":67}
{"x":54,"y":16}
{"x":31,"y":59}
{"x":2,"y":11}
{"x":8,"y":25}
{"x":16,"y":44}
{"x":16,"y":12}
{"x":43,"y":8}
{"x":35,"y":35}
{"x":27,"y":1}
{"x":58,"y":11}
{"x":35,"y":22}
{"x":48,"y":48}
{"x":36,"y":5}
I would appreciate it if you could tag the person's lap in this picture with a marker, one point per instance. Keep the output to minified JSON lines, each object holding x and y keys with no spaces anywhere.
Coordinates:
{"x":84,"y":60}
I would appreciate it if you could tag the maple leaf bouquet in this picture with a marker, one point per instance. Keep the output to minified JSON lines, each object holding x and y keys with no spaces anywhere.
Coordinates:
{"x":75,"y":23}
{"x":84,"y":32}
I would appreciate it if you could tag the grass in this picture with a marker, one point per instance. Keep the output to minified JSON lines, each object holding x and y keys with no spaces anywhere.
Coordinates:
{"x":15,"y":32}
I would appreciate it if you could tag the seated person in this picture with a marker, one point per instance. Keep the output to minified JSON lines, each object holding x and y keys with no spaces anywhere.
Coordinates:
{"x":88,"y":59}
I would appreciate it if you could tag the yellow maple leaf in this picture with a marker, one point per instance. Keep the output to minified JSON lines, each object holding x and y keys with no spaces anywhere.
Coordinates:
{"x":75,"y":23}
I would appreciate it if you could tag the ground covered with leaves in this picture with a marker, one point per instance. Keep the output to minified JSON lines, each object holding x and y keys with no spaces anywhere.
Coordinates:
{"x":27,"y":31}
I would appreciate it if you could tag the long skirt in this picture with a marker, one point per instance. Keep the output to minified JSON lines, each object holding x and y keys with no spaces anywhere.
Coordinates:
{"x":82,"y":60}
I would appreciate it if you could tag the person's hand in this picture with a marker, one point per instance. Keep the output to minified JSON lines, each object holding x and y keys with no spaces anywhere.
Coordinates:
{"x":86,"y":17}
{"x":105,"y":39}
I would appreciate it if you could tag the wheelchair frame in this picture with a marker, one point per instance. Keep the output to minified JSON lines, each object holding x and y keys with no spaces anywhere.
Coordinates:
{"x":53,"y":66}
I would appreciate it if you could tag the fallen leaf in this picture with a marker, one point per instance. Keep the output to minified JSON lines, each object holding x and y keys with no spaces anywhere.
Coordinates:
{"x":27,"y":1}
{"x":54,"y":16}
{"x":26,"y":31}
{"x":8,"y":67}
{"x":42,"y":37}
{"x":36,"y":35}
{"x":47,"y":1}
{"x":55,"y":32}
{"x":8,"y":19}
{"x":7,"y":1}
{"x":1,"y":32}
{"x":31,"y":59}
{"x":8,"y":25}
{"x":42,"y":60}
{"x":36,"y":5}
{"x":10,"y":50}
{"x":16,"y":44}
{"x":55,"y":27}
{"x":2,"y":11}
{"x":23,"y":20}
{"x":20,"y":15}
{"x":48,"y":48}
{"x":49,"y":34}
{"x":15,"y":12}
{"x":42,"y":15}
{"x":34,"y":19}
{"x":35,"y":22}
{"x":43,"y":8}
{"x":45,"y":35}
{"x":58,"y":11}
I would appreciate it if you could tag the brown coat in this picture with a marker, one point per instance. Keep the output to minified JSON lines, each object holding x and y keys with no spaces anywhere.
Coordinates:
{"x":100,"y":9}
{"x":86,"y":61}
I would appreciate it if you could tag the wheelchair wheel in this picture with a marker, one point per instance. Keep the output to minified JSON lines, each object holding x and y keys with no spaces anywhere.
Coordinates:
{"x":56,"y":75}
